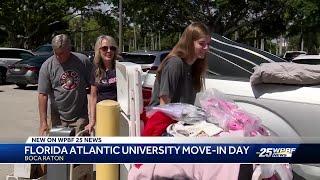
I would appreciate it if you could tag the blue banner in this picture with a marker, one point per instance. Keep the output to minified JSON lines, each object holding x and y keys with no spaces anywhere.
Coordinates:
{"x":159,"y":153}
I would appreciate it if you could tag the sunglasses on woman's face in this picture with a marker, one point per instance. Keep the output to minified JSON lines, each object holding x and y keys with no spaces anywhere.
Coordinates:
{"x":107,"y":48}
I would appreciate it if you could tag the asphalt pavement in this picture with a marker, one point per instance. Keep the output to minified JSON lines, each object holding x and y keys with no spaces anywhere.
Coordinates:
{"x":18,"y":117}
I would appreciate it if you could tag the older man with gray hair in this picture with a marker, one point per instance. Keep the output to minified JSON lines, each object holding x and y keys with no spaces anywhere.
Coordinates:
{"x":63,"y":78}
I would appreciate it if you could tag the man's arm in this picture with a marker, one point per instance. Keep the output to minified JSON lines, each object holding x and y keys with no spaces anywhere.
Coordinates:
{"x":42,"y":105}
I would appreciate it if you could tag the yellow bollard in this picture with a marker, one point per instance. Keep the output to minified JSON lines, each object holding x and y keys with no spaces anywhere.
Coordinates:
{"x":108,"y":114}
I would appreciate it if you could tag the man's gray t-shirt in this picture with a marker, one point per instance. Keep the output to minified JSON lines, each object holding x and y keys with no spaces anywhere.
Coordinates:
{"x":66,"y":85}
{"x":175,"y":82}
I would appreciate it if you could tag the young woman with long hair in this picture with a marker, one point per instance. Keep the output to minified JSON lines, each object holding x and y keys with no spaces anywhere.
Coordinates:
{"x":181,"y":74}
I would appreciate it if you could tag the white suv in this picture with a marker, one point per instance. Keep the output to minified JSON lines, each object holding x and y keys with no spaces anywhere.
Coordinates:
{"x":147,"y":59}
{"x":289,"y":55}
{"x":307,"y":59}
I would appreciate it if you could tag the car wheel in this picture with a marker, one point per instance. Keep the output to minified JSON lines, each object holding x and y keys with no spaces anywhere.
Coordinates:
{"x":22,"y":86}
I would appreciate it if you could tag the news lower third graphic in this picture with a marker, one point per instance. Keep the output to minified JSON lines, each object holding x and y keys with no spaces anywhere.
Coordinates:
{"x":117,"y":150}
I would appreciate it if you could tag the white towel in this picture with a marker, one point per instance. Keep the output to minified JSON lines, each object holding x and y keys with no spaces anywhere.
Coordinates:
{"x":182,"y":129}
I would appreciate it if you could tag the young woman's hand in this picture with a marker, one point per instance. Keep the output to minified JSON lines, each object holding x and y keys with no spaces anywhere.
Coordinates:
{"x":164,"y":100}
{"x":44,"y":128}
{"x":90,"y":127}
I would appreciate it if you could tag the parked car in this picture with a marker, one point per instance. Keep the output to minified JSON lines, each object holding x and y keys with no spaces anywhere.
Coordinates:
{"x":26,"y":72}
{"x":43,"y":50}
{"x":147,"y":59}
{"x":307,"y":59}
{"x":9,"y":56}
{"x":289,"y":55}
{"x":285,"y":110}
{"x":89,"y":54}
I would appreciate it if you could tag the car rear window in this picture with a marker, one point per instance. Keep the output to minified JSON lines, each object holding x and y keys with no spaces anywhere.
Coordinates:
{"x":307,"y":61}
{"x":17,"y":54}
{"x":34,"y":60}
{"x":226,"y":67}
{"x":138,"y":59}
{"x":232,"y":59}
{"x":162,"y":56}
{"x":292,"y":55}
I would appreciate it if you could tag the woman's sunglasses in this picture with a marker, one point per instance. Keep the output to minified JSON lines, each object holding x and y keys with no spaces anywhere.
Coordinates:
{"x":106,"y":48}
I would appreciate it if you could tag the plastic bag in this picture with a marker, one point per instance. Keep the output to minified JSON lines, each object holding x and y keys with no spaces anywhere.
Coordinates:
{"x":180,"y":112}
{"x":272,"y":171}
{"x":217,"y":107}
{"x":226,"y":113}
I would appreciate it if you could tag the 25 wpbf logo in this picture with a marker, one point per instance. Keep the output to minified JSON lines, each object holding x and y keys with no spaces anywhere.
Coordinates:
{"x":276,"y":152}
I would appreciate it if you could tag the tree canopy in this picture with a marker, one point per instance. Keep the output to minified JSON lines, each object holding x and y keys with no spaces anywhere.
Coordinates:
{"x":30,"y":23}
{"x":248,"y":18}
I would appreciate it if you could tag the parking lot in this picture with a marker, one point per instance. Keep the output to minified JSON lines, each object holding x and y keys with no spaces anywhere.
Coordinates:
{"x":19,"y":117}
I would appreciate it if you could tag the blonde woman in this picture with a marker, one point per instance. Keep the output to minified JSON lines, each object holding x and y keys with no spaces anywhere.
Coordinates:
{"x":103,"y":77}
{"x":181,"y":74}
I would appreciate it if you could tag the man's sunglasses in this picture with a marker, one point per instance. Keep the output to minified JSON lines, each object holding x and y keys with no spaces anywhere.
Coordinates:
{"x":106,"y":48}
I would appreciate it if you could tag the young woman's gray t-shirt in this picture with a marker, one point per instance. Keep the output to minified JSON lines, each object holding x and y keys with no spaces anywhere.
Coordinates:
{"x":66,"y":85}
{"x":175,"y":82}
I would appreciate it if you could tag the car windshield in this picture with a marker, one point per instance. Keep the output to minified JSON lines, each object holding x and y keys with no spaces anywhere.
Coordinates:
{"x":138,"y":59}
{"x":293,"y":55}
{"x":37,"y":59}
{"x":44,"y":49}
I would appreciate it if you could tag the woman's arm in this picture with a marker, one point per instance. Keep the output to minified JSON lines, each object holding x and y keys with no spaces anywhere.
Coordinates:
{"x":170,"y":80}
{"x":92,"y":106}
{"x":164,"y":100}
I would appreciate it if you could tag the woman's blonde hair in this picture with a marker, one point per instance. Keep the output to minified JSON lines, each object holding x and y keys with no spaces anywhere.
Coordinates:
{"x":184,"y":49}
{"x":98,"y":61}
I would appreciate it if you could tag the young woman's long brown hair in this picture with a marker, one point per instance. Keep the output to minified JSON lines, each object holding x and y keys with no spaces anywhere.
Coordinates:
{"x":184,"y":49}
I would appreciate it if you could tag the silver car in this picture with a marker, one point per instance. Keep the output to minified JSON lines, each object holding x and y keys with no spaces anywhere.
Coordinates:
{"x":26,"y":72}
{"x":9,"y":56}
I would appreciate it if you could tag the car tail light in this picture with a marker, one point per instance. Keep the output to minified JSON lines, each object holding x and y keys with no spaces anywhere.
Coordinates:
{"x":154,"y":68}
{"x":31,"y":68}
{"x":146,"y":95}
